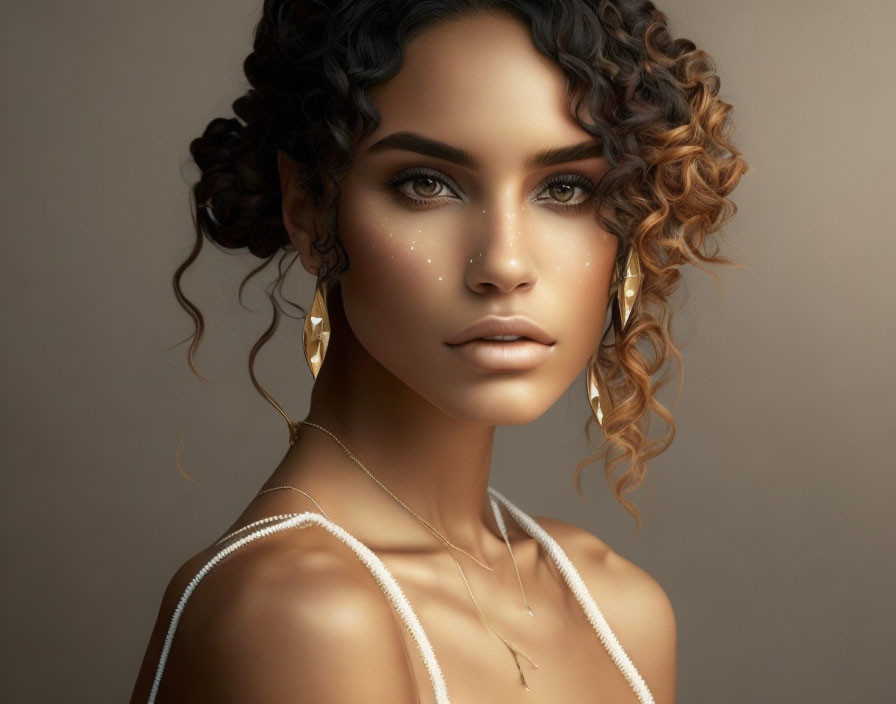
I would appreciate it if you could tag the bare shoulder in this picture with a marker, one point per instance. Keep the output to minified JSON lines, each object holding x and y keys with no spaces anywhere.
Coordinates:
{"x":292,"y":618}
{"x":634,"y":603}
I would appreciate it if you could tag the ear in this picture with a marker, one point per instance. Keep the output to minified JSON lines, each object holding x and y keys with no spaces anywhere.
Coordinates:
{"x":297,"y":209}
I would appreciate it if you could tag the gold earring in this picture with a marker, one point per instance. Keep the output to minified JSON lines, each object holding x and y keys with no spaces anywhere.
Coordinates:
{"x":316,"y":331}
{"x":626,"y":295}
{"x":598,"y":396}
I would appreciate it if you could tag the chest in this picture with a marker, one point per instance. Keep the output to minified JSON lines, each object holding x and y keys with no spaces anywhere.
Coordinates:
{"x":573,"y":665}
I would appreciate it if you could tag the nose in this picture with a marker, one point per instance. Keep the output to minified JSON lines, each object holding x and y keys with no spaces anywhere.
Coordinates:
{"x":500,"y":257}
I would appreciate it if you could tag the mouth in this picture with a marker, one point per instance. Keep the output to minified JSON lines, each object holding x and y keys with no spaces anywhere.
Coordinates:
{"x":503,"y":329}
{"x":503,"y":352}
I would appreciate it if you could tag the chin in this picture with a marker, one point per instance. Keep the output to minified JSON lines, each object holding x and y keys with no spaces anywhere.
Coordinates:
{"x":511,"y":406}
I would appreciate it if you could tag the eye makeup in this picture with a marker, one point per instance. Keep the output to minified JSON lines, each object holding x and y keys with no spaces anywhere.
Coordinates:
{"x":576,"y":181}
{"x":418,"y":173}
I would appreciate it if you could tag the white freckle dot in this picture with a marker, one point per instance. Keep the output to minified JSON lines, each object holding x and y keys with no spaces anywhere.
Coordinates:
{"x":429,"y":261}
{"x":587,"y":263}
{"x":411,"y":247}
{"x":440,"y":278}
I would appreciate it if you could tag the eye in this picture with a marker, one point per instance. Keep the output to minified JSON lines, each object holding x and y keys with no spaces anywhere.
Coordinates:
{"x":424,"y":187}
{"x":419,"y":187}
{"x":561,"y":190}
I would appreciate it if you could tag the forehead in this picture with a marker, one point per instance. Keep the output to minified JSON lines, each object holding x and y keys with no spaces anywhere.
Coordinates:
{"x":479,"y":83}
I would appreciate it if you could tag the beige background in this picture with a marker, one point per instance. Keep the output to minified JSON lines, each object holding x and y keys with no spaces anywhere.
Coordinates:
{"x":769,"y":521}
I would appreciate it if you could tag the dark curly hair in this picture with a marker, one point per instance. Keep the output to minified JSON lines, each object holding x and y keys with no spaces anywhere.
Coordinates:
{"x":651,"y":100}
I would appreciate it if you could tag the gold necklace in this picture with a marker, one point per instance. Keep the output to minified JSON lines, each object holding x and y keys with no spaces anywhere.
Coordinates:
{"x":447,"y":543}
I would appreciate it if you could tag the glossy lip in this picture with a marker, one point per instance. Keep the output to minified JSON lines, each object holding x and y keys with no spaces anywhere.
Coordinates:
{"x":509,"y":355}
{"x":517,"y":355}
{"x":495,"y":325}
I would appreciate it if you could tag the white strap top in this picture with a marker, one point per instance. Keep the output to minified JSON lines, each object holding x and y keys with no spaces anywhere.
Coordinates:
{"x":393,"y":592}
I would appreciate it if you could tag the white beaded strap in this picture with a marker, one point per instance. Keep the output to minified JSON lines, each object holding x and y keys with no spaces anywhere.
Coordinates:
{"x":373,"y":563}
{"x":261,"y":521}
{"x":584,"y":597}
{"x":499,"y":519}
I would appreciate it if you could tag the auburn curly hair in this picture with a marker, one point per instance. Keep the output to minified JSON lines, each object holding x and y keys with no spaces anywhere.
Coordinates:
{"x":651,"y":100}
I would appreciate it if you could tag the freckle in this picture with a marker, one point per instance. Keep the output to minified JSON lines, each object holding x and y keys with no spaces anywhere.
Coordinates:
{"x":587,"y":263}
{"x":429,"y":261}
{"x":412,"y":246}
{"x":440,"y":278}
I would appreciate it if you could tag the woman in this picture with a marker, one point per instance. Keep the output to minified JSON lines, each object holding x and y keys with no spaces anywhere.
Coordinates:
{"x":473,"y":184}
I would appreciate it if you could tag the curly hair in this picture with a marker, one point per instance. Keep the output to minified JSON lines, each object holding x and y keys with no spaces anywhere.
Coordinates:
{"x":650,"y":99}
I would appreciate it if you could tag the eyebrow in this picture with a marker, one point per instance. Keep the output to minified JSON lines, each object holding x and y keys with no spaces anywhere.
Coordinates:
{"x":410,"y":141}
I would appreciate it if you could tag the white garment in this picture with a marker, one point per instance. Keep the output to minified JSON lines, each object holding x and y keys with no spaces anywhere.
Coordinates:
{"x":400,"y":602}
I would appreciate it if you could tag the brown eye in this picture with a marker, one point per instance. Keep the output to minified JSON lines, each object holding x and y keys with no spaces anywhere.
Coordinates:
{"x":419,"y":187}
{"x":562,"y":192}
{"x":429,"y":188}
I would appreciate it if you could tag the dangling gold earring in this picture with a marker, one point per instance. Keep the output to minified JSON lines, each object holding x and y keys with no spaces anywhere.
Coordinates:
{"x":316,"y":331}
{"x":626,"y":295}
{"x":598,"y":396}
{"x":628,"y":292}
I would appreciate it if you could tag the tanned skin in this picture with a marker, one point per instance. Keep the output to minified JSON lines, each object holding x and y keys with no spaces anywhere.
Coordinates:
{"x":297,"y":618}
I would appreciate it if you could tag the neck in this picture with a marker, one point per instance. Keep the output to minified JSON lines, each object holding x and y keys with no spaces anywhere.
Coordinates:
{"x":438,"y":466}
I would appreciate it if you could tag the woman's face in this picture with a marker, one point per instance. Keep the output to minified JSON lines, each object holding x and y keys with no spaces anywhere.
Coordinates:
{"x":436,"y":245}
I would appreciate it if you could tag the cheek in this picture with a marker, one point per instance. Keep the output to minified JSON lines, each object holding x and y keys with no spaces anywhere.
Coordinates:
{"x":398,"y":278}
{"x":576,"y":270}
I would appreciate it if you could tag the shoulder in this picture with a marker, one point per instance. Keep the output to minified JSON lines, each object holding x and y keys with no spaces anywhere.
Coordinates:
{"x":634,"y":603}
{"x":289,"y":619}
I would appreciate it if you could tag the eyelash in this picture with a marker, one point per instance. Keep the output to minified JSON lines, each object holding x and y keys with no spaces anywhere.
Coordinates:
{"x":418,"y":172}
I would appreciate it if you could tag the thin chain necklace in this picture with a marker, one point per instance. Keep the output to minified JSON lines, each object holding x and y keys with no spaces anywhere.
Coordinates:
{"x":447,"y":543}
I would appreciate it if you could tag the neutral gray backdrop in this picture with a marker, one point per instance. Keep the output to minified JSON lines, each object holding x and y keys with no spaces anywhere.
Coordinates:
{"x":769,"y":521}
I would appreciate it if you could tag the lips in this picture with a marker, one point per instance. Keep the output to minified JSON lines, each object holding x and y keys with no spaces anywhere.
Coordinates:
{"x":534,"y":347}
{"x":496,"y":356}
{"x":493,"y":325}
